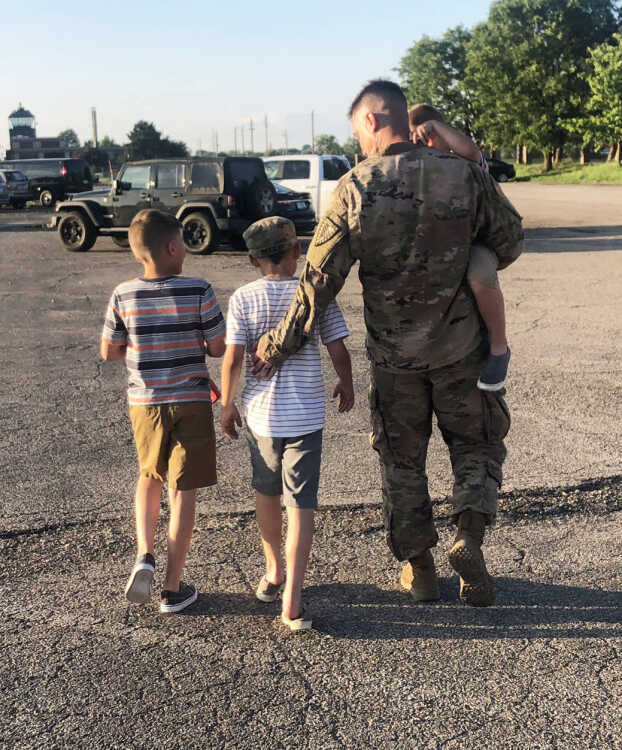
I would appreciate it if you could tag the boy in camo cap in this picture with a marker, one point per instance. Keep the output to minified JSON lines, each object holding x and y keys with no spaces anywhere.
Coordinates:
{"x":284,"y":415}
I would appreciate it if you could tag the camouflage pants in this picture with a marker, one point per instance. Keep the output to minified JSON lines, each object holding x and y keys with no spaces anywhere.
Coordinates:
{"x":473,"y":424}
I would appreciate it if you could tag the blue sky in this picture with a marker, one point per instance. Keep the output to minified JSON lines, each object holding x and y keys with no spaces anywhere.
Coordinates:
{"x":198,"y":67}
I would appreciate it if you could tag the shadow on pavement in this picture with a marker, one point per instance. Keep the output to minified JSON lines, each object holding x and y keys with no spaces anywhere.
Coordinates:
{"x":573,"y":239}
{"x":524,"y":610}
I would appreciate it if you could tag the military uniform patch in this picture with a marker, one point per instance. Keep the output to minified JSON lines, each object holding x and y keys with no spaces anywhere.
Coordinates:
{"x":325,"y":231}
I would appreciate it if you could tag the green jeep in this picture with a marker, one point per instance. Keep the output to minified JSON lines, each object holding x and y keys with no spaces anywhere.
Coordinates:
{"x":213,"y":198}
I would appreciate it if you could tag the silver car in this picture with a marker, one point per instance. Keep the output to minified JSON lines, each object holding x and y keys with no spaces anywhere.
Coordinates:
{"x":14,"y":188}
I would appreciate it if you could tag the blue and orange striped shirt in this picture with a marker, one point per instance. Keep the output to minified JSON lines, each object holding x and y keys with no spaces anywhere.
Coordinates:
{"x":165,"y":324}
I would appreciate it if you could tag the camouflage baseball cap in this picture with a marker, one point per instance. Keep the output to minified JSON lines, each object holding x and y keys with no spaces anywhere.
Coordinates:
{"x":268,"y":236}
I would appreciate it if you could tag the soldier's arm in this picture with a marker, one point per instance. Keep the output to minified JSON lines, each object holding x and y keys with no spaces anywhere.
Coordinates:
{"x":498,"y":225}
{"x":329,"y":260}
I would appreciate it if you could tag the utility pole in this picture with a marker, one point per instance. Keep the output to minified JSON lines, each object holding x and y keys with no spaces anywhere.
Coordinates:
{"x":252,"y":129}
{"x":242,"y":134}
{"x":235,"y":139}
{"x":312,"y":132}
{"x":265,"y":123}
{"x":94,"y":121}
{"x":286,"y":143}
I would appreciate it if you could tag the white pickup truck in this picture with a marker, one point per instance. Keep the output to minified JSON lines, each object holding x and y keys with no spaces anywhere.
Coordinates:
{"x":316,"y":174}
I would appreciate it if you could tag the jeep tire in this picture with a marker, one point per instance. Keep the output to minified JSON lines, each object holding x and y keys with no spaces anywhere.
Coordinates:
{"x":200,"y":233}
{"x":261,"y":199}
{"x":76,"y":232}
{"x":121,"y":240}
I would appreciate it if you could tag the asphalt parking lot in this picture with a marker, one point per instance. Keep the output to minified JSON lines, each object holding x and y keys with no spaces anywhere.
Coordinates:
{"x":539,"y":670}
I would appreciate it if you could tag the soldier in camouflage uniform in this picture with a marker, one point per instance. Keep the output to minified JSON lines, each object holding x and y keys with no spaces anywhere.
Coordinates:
{"x":409,"y":215}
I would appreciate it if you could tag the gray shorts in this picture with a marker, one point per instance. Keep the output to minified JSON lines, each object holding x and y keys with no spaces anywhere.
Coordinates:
{"x":287,"y":466}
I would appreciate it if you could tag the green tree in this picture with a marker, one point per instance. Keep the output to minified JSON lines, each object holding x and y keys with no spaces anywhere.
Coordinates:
{"x":70,"y":138}
{"x":96,"y":157}
{"x":524,"y":67}
{"x":352,"y":148}
{"x":327,"y":144}
{"x":107,"y":142}
{"x":433,"y":71}
{"x":145,"y":142}
{"x":605,"y":83}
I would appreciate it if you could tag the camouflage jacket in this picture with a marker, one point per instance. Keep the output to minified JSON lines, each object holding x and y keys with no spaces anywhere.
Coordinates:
{"x":409,"y":217}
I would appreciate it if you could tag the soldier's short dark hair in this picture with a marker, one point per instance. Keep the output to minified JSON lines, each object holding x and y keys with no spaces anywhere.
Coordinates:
{"x":150,"y":232}
{"x":421,"y":113}
{"x":387,"y":90}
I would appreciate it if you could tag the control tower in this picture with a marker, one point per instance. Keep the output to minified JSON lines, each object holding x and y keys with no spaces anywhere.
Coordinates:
{"x":22,"y":124}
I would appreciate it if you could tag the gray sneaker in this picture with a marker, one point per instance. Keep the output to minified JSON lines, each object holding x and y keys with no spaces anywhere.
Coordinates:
{"x":268,"y":592}
{"x":138,"y":587}
{"x":495,"y":372}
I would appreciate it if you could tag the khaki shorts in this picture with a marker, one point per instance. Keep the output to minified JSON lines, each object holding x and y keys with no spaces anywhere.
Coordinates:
{"x":178,"y":440}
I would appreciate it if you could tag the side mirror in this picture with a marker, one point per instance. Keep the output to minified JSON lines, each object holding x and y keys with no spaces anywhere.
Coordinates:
{"x":119,"y":186}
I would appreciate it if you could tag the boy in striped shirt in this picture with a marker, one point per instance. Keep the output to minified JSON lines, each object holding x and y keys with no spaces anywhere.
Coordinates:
{"x":163,"y":325}
{"x":284,"y":415}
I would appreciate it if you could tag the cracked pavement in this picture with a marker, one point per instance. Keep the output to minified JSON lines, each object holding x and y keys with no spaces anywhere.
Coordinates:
{"x":541,"y":669}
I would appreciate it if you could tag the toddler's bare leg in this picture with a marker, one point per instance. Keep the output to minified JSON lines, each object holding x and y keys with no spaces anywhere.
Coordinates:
{"x":491,"y":306}
{"x":182,"y":504}
{"x":297,"y":549}
{"x":147,"y":504}
{"x":269,"y":522}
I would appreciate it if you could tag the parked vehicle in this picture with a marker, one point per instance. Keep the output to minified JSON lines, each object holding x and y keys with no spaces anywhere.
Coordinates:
{"x":295,"y":206}
{"x":53,"y":179}
{"x":316,"y":174}
{"x":15,"y":187}
{"x":501,"y":170}
{"x":4,"y":194}
{"x":212,"y":198}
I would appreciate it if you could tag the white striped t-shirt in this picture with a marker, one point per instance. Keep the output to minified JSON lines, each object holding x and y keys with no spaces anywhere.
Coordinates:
{"x":292,"y":402}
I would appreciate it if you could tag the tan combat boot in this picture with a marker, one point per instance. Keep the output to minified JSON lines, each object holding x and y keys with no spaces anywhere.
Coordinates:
{"x":466,"y":558}
{"x":419,"y":577}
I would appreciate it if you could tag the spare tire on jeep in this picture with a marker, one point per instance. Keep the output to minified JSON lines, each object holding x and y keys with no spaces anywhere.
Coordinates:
{"x":260,"y":199}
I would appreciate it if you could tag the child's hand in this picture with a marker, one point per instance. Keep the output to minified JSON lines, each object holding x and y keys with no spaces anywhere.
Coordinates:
{"x":229,"y":418}
{"x":424,"y":132}
{"x":346,"y":395}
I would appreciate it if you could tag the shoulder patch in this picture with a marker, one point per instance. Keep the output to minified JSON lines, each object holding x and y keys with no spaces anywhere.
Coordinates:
{"x":325,"y":231}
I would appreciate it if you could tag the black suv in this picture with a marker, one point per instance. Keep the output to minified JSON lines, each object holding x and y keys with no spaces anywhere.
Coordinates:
{"x":52,"y":180}
{"x":211,"y":197}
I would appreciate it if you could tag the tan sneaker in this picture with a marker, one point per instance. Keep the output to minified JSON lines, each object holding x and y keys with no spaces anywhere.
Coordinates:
{"x":269,"y":592}
{"x":303,"y":622}
{"x":419,"y":577}
{"x":477,"y":587}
